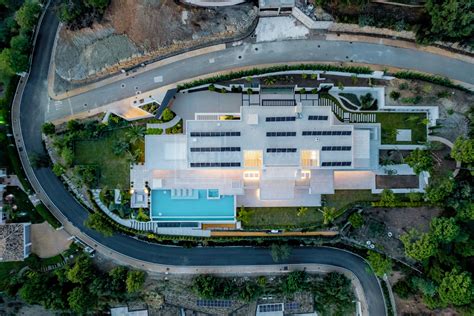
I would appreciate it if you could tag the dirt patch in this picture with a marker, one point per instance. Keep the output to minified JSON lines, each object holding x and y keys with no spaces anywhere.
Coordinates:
{"x":397,"y":182}
{"x":47,"y":241}
{"x":132,"y":31}
{"x":397,"y":221}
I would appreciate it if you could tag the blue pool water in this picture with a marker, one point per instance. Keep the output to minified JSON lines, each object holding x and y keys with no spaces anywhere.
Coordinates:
{"x":166,"y":208}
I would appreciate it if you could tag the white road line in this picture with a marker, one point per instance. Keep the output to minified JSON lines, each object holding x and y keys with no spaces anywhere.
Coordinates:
{"x":158,"y":79}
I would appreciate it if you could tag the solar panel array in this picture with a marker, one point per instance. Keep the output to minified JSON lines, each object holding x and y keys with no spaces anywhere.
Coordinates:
{"x":318,"y":117}
{"x":270,"y":308}
{"x":281,"y":150}
{"x":279,"y":134}
{"x":214,"y":303}
{"x":326,"y":133}
{"x":214,"y":164}
{"x":280,"y":119}
{"x":214,"y":134}
{"x":213,"y":149}
{"x":285,"y":102}
{"x":336,"y":148}
{"x":291,"y":305}
{"x":336,"y":163}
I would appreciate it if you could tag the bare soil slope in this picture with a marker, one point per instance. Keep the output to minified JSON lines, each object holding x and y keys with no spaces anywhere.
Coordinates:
{"x":132,"y":31}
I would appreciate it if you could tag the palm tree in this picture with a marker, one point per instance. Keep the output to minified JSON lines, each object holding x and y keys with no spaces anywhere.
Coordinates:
{"x":329,"y":214}
{"x":136,"y":133}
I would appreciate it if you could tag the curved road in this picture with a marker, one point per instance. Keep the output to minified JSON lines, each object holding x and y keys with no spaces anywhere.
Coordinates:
{"x":34,"y":105}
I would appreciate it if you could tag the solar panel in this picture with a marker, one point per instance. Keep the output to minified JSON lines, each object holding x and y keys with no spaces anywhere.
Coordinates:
{"x":291,"y":305}
{"x":336,"y":163}
{"x":213,"y":149}
{"x":213,"y":134}
{"x":280,"y":134}
{"x":280,"y":119}
{"x":336,"y":148}
{"x":318,"y":117}
{"x":326,"y":133}
{"x":270,"y":308}
{"x":281,"y":150}
{"x":214,"y":303}
{"x":282,"y":102}
{"x":214,"y":164}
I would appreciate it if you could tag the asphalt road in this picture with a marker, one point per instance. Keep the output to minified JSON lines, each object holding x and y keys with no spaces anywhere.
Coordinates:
{"x":266,"y":53}
{"x":34,"y":106}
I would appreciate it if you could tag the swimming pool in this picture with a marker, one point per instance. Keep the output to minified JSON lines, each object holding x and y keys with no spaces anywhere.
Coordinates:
{"x":168,"y":207}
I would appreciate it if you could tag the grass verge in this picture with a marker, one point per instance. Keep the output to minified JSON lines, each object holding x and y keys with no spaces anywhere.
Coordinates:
{"x":283,"y":217}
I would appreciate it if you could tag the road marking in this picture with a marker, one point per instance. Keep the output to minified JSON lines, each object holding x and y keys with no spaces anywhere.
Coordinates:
{"x":212,"y":60}
{"x":158,"y":79}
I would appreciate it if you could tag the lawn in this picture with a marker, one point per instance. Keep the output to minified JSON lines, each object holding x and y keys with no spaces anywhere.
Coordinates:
{"x":114,"y":170}
{"x":393,"y":121}
{"x":342,"y":198}
{"x":24,"y":206}
{"x":283,"y":217}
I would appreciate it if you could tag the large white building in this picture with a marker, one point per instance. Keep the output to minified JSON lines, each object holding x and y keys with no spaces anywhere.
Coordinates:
{"x":281,"y":149}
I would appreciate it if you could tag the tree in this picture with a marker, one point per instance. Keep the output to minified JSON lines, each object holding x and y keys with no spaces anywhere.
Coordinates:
{"x":379,"y":263}
{"x":439,"y":189}
{"x":302,"y":211}
{"x":118,"y":280}
{"x":38,"y":160}
{"x":97,"y":222}
{"x":58,"y":169}
{"x":136,"y":134}
{"x":329,"y":214}
{"x":420,"y":160}
{"x":48,"y":128}
{"x":244,"y":215}
{"x":73,"y":126}
{"x":120,"y":147}
{"x":444,"y":229}
{"x":135,"y":281}
{"x":280,"y":252}
{"x":395,"y":95}
{"x":249,"y":292}
{"x":35,"y":288}
{"x":366,"y":100}
{"x":463,"y":151}
{"x":207,"y":286}
{"x":28,"y":14}
{"x":6,"y":69}
{"x":356,"y":220}
{"x":82,"y":271}
{"x":20,"y":44}
{"x":456,"y":288}
{"x":403,"y":289}
{"x":388,"y":198}
{"x":450,"y":20}
{"x":419,"y":246}
{"x":68,"y":156}
{"x":100,"y":5}
{"x":168,"y":115}
{"x":295,"y":281}
{"x":81,"y":300}
{"x":335,"y":295}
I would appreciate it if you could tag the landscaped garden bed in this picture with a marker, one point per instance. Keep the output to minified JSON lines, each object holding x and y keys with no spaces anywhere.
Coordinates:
{"x":283,"y":217}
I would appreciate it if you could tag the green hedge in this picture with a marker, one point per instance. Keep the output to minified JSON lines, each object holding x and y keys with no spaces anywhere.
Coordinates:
{"x":442,"y":81}
{"x":46,"y":214}
{"x":260,"y":71}
{"x":402,"y":204}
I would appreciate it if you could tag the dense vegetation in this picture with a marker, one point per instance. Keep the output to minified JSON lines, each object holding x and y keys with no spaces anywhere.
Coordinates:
{"x":77,"y":287}
{"x":18,"y":20}
{"x":445,"y":251}
{"x":332,"y":293}
{"x":445,"y":20}
{"x":77,"y":14}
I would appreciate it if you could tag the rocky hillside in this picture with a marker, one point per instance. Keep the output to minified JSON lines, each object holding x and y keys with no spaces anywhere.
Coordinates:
{"x":135,"y":30}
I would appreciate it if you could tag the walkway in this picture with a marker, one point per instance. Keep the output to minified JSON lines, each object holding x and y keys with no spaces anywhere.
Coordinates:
{"x":165,"y":125}
{"x":448,"y":143}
